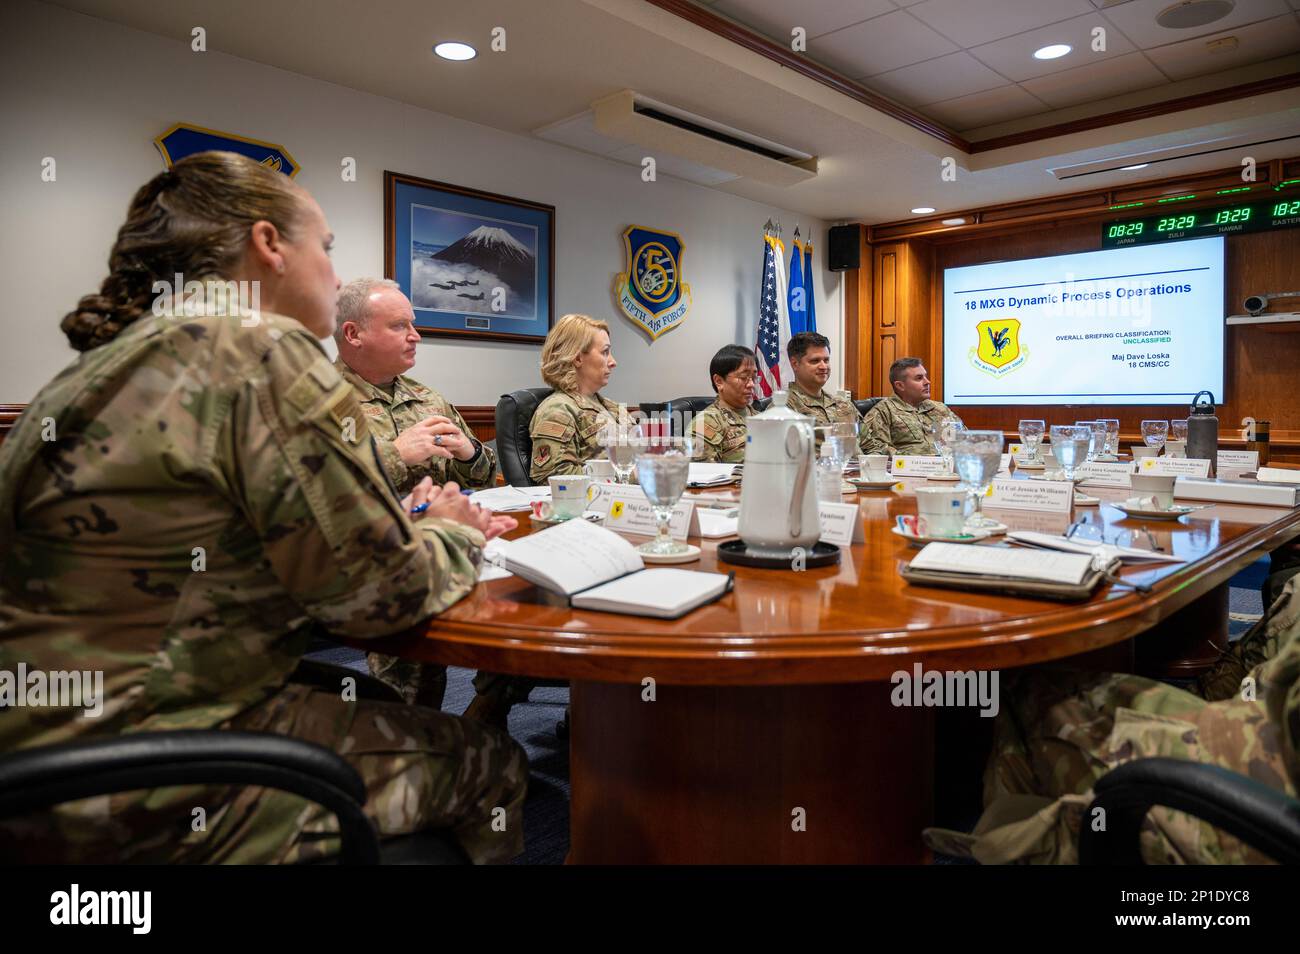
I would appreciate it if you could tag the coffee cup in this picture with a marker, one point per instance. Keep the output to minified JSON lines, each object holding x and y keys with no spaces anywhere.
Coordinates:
{"x":874,"y":466}
{"x":599,"y":470}
{"x":1154,"y":485}
{"x":1175,"y":448}
{"x":1141,"y":450}
{"x":569,"y":495}
{"x":941,"y":511}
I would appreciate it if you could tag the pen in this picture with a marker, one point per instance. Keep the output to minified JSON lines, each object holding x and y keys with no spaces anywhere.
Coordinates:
{"x":420,"y":509}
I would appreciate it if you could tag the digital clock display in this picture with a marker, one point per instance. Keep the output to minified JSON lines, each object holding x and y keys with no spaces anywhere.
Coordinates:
{"x":1257,"y":216}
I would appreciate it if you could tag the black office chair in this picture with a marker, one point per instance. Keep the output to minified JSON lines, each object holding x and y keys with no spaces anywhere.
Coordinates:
{"x":683,"y":410}
{"x":514,"y":444}
{"x":37,"y":779}
{"x":865,"y":405}
{"x":1264,"y":818}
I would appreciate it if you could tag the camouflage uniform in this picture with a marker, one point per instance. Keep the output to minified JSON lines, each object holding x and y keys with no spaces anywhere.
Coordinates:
{"x":720,"y":432}
{"x":387,"y":416}
{"x":1059,"y":732}
{"x":895,"y":427}
{"x":566,"y":433}
{"x":822,"y":408}
{"x":194,"y":433}
{"x":409,"y":404}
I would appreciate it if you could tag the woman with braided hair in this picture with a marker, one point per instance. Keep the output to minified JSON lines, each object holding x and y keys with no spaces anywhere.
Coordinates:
{"x":184,"y":504}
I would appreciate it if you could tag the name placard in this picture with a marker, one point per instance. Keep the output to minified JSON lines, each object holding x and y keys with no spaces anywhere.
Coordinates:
{"x":1046,"y":496}
{"x":841,"y":523}
{"x":1174,"y":466}
{"x":917,"y":466}
{"x":1104,"y":474}
{"x":627,"y":510}
{"x":1004,"y":465}
{"x":1233,"y":463}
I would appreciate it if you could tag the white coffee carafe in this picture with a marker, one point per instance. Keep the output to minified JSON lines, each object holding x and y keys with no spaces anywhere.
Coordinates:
{"x":778,"y":500}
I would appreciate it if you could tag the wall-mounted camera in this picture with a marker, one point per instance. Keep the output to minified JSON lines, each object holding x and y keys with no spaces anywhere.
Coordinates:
{"x":1256,"y":304}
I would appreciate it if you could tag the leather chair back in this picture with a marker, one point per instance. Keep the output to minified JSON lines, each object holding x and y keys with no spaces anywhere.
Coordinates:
{"x":866,"y":404}
{"x":514,"y":444}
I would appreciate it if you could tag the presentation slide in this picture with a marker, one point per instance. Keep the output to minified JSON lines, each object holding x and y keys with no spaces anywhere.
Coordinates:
{"x":1138,"y":325}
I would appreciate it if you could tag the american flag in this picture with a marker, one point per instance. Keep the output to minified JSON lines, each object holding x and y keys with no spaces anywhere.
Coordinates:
{"x":773,"y":320}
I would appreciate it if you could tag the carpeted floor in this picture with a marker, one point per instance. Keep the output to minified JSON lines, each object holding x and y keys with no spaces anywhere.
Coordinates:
{"x":546,"y":811}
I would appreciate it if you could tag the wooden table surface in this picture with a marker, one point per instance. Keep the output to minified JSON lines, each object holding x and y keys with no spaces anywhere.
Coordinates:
{"x":761,"y":729}
{"x":855,"y":621}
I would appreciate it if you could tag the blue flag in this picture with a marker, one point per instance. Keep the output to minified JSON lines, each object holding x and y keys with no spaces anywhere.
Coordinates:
{"x":798,"y":294}
{"x":809,"y":300}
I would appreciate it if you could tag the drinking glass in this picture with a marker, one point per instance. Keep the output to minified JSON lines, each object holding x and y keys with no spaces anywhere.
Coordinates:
{"x":663,"y":465}
{"x":1031,"y":435}
{"x":621,"y":440}
{"x":1178,"y":430}
{"x":1112,"y":435}
{"x":1154,"y":433}
{"x":842,"y":436}
{"x":1070,"y":445}
{"x":945,"y":434}
{"x":1097,"y":446}
{"x":978,"y":454}
{"x":1092,"y":450}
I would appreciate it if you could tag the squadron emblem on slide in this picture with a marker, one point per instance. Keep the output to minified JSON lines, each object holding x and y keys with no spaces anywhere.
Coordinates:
{"x":998,"y":350}
{"x":651,"y":292}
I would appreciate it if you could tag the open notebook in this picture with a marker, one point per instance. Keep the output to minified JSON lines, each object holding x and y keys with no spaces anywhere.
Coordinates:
{"x":598,"y":570}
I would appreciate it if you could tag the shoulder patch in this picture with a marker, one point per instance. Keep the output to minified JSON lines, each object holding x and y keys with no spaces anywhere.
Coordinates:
{"x":555,"y":430}
{"x":542,"y":454}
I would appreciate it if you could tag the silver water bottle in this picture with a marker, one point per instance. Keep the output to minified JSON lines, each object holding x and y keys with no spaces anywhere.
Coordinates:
{"x":1203,"y":431}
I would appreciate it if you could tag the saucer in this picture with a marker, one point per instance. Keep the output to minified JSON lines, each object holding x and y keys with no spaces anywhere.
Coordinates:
{"x":1083,"y":500}
{"x":1173,"y":513}
{"x":943,"y":478}
{"x":1030,"y":465}
{"x":848,"y":487}
{"x":1078,"y":477}
{"x":1106,"y":459}
{"x":868,"y":484}
{"x":590,"y":517}
{"x":972,"y":537}
{"x":692,"y":552}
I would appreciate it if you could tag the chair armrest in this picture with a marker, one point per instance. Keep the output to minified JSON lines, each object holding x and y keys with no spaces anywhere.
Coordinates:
{"x":1262,"y":817}
{"x":36,"y":779}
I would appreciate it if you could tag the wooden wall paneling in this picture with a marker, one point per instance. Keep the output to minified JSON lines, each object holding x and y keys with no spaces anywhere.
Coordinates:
{"x":858,"y":311}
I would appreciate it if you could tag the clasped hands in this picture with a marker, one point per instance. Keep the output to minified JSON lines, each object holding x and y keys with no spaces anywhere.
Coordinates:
{"x":449,"y":503}
{"x":435,"y":436}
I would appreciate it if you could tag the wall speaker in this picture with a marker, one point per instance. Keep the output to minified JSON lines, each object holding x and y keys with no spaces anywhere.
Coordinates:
{"x":843,"y":245}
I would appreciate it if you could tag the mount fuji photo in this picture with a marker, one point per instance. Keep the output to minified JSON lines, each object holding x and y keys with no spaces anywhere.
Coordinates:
{"x":475,"y":264}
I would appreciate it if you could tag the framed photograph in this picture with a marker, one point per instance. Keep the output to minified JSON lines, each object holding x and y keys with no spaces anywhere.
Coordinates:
{"x":474,"y":264}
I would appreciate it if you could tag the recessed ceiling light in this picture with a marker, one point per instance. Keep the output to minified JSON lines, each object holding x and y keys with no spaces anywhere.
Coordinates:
{"x":922,"y":210}
{"x":954,"y":221}
{"x":1193,"y":13}
{"x":1055,"y":51}
{"x":1140,"y":165}
{"x":455,"y":51}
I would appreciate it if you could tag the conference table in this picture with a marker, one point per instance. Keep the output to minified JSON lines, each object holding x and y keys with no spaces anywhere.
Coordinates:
{"x":760,"y":728}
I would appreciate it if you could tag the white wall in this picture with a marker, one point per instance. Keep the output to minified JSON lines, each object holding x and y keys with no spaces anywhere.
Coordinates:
{"x":94,"y":94}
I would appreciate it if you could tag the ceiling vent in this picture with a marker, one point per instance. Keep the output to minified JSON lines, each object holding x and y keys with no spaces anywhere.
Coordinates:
{"x":668,"y":133}
{"x":1206,"y":147}
{"x":1194,"y":13}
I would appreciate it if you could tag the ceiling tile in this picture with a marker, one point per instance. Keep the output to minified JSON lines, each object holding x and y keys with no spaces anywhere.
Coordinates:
{"x":879,"y":45}
{"x":1255,"y":43}
{"x":957,"y":74}
{"x":1137,"y":20}
{"x":984,"y":109}
{"x":1014,"y":56}
{"x":1094,"y":81}
{"x":776,"y":18}
{"x":972,"y":22}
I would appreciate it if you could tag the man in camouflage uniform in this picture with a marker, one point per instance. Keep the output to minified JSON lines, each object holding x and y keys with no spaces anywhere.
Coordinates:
{"x":418,"y":434}
{"x":810,"y":359}
{"x":180,"y":509}
{"x":1060,"y":731}
{"x":900,"y":424}
{"x":720,"y":429}
{"x":566,"y":433}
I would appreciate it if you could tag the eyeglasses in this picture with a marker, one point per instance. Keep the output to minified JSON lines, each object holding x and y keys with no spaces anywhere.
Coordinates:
{"x":1123,"y":538}
{"x":744,"y":377}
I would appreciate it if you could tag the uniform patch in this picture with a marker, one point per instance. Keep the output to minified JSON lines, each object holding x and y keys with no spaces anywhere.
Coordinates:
{"x":710,"y":432}
{"x":542,"y":455}
{"x":555,"y":430}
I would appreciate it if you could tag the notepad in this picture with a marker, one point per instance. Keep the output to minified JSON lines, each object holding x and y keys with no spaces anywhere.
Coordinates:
{"x":509,"y":499}
{"x":598,"y":570}
{"x":710,"y":475}
{"x":1073,"y":545}
{"x":1068,"y":568}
